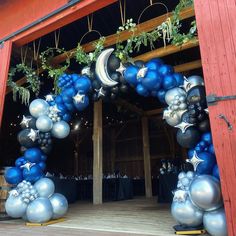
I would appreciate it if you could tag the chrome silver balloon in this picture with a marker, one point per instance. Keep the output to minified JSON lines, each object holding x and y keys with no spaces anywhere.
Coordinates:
{"x":40,"y":210}
{"x":215,"y":222}
{"x":60,"y":129}
{"x":190,"y":174}
{"x":172,"y":93}
{"x":186,"y":213}
{"x":45,"y":187}
{"x":59,"y":205}
{"x":174,"y":119}
{"x":38,"y":107}
{"x":181,"y":175}
{"x":205,"y":192}
{"x":194,"y":81}
{"x":44,"y":123}
{"x":15,"y":206}
{"x":185,"y":182}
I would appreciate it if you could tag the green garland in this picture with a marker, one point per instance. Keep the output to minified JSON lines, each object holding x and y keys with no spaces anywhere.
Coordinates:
{"x":32,"y":79}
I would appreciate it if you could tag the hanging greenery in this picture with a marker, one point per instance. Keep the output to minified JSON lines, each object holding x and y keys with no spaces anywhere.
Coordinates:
{"x":32,"y":79}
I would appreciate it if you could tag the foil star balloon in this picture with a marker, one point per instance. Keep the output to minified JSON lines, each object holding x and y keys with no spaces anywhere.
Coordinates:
{"x":14,"y":193}
{"x":195,"y":160}
{"x":54,"y":109}
{"x":183,"y":126}
{"x":100,"y":92}
{"x":33,"y":134}
{"x":186,"y":85}
{"x":49,"y":98}
{"x":27,"y":165}
{"x":206,"y":110}
{"x":25,"y":121}
{"x":142,"y":72}
{"x":180,"y":196}
{"x":121,"y":69}
{"x":79,"y":98}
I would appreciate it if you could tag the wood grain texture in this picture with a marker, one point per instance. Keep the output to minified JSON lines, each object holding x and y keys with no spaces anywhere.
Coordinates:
{"x":217,"y":35}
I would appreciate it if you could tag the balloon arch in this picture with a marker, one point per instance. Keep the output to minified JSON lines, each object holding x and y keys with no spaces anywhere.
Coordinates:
{"x":198,"y":198}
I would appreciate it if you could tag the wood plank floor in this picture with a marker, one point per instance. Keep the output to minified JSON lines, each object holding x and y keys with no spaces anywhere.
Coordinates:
{"x":133,"y":217}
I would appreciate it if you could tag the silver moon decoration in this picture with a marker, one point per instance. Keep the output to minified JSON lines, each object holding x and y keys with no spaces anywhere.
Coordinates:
{"x":45,"y":187}
{"x":186,"y":213}
{"x":101,"y":68}
{"x":59,"y":205}
{"x":38,"y":107}
{"x":172,"y":93}
{"x":205,"y":192}
{"x":215,"y":222}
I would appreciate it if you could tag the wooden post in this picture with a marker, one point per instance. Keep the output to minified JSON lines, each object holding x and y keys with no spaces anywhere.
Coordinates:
{"x":147,"y":159}
{"x":5,"y":56}
{"x":97,"y":153}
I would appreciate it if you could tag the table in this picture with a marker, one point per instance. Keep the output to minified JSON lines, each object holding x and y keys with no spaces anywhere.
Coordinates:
{"x":139,"y":187}
{"x":167,"y":183}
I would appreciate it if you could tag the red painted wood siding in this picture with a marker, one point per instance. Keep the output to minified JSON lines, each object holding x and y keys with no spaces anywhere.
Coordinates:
{"x":5,"y":56}
{"x":216,"y":21}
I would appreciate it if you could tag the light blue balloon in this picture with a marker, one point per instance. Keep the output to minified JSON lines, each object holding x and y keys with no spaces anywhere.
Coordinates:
{"x":60,"y":129}
{"x":45,"y":187}
{"x":44,"y":123}
{"x":38,"y":107}
{"x":15,"y":207}
{"x":40,"y":210}
{"x":59,"y":205}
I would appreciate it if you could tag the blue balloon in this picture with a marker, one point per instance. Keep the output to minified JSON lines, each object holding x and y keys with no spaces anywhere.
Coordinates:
{"x":190,"y":153}
{"x":13,"y":175}
{"x":44,"y":158}
{"x":42,"y":165}
{"x":211,"y":149}
{"x":152,"y":80}
{"x":58,"y":99}
{"x":207,"y":138}
{"x":66,"y":117}
{"x":203,"y":144}
{"x":83,"y":84}
{"x":70,"y":106}
{"x":169,"y":82}
{"x":68,"y":94}
{"x":62,"y":109}
{"x":33,"y":174}
{"x":154,"y":64}
{"x":20,"y":161}
{"x":80,"y":106}
{"x":161,"y":95}
{"x":198,"y":148}
{"x":216,"y":172}
{"x":33,"y":155}
{"x":179,"y":79}
{"x":166,"y":70}
{"x":130,"y":75}
{"x":207,"y":165}
{"x":75,"y":77}
{"x":141,"y":90}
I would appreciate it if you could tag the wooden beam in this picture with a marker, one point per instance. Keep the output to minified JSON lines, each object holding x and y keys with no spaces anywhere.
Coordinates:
{"x":164,"y":51}
{"x":97,"y":153}
{"x":188,"y":66}
{"x":147,"y":158}
{"x":5,"y":56}
{"x":157,"y":111}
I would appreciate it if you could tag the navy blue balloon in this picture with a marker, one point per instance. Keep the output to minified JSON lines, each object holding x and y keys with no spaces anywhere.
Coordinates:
{"x":161,"y":95}
{"x":42,"y":165}
{"x":203,"y":144}
{"x":44,"y":158}
{"x":199,"y":148}
{"x":141,"y":90}
{"x":169,"y":82}
{"x":83,"y":84}
{"x":179,"y":79}
{"x":190,"y":153}
{"x":66,"y":117}
{"x":130,"y":75}
{"x":70,"y":106}
{"x":58,"y":99}
{"x":13,"y":175}
{"x":207,"y":165}
{"x":165,"y":70}
{"x":207,"y":137}
{"x":152,"y":80}
{"x":154,"y":64}
{"x":80,"y":106}
{"x":33,"y":155}
{"x":216,"y":172}
{"x":20,"y":161}
{"x":211,"y":149}
{"x":33,"y":174}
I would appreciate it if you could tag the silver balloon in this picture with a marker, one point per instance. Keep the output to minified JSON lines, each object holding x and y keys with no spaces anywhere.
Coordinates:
{"x":59,"y":205}
{"x":44,"y":123}
{"x":186,"y":213}
{"x":40,"y":210}
{"x":215,"y":222}
{"x":205,"y":192}
{"x":174,"y":119}
{"x":185,"y":181}
{"x":60,"y":129}
{"x":181,"y":175}
{"x":45,"y":187}
{"x":190,"y":174}
{"x":172,"y":93}
{"x":15,"y":207}
{"x":38,"y":107}
{"x":194,"y":81}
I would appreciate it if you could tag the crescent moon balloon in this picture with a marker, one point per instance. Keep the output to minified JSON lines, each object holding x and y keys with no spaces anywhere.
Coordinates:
{"x":101,"y":68}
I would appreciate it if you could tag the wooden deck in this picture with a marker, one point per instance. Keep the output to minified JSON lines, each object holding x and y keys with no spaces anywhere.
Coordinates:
{"x":123,"y":218}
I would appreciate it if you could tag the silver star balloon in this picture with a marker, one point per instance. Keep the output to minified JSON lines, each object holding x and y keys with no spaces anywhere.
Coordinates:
{"x":33,"y":134}
{"x":142,"y":72}
{"x":27,"y":165}
{"x":180,"y":196}
{"x":79,"y":98}
{"x":14,"y":193}
{"x":195,"y":160}
{"x":49,"y":98}
{"x":54,"y":109}
{"x":183,"y":126}
{"x":206,"y":110}
{"x":100,"y":92}
{"x":121,"y":69}
{"x":187,"y":85}
{"x":25,"y":121}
